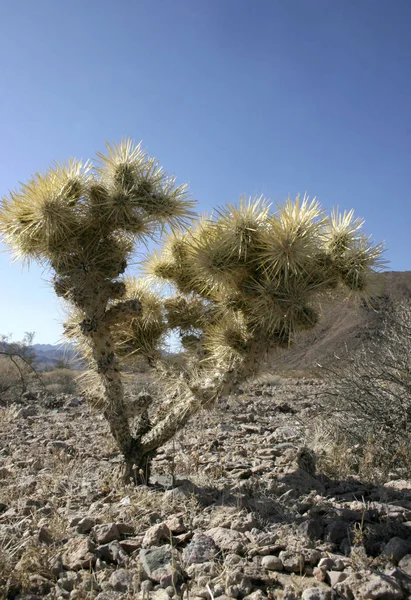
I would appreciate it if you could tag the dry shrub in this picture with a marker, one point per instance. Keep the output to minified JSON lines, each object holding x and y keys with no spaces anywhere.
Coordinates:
{"x":60,"y":381}
{"x":15,"y":378}
{"x":364,"y":418}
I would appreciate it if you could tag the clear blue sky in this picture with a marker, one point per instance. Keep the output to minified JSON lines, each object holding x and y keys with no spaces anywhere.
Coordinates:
{"x":233,"y":96}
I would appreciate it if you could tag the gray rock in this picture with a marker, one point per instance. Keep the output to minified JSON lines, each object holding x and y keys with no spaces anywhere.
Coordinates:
{"x":202,"y":548}
{"x":327,"y":564}
{"x":160,"y":566}
{"x":334,"y":577}
{"x":246,"y":523}
{"x":314,"y":593}
{"x":85,"y":525}
{"x":311,"y":556}
{"x":113,"y":552}
{"x":293,"y":562}
{"x":26,"y":411}
{"x":370,"y":586}
{"x":228,"y":539}
{"x":272,"y":563}
{"x":336,"y":531}
{"x":396,"y":548}
{"x":122,"y":581}
{"x":405,"y":564}
{"x":44,"y":535}
{"x":68,"y":581}
{"x":312,"y":529}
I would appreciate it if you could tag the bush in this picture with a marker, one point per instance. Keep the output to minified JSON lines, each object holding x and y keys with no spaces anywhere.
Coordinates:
{"x":60,"y":381}
{"x":17,"y":367}
{"x":364,"y":421}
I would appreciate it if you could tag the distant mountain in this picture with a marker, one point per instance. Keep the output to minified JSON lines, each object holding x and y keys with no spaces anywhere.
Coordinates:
{"x":49,"y":355}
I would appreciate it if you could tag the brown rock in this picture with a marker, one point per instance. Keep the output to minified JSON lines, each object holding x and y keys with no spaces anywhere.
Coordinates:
{"x":79,"y":554}
{"x":106,"y":533}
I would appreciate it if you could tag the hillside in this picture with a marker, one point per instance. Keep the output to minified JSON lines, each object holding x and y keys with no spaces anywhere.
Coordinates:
{"x":343,"y":327}
{"x":49,"y":355}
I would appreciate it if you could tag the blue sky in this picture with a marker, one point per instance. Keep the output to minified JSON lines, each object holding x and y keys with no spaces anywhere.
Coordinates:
{"x":233,"y":96}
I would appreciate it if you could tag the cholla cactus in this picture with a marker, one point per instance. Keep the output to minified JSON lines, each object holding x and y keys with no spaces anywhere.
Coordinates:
{"x":245,"y":282}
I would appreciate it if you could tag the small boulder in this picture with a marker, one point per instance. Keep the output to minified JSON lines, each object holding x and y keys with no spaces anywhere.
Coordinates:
{"x":106,"y":533}
{"x":156,"y":534}
{"x":79,"y":553}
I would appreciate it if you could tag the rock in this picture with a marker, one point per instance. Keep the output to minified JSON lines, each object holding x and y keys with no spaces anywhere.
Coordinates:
{"x":396,"y":548}
{"x":289,"y":593}
{"x":26,"y":411}
{"x":122,"y":581}
{"x":57,"y":445}
{"x":160,"y":566}
{"x":336,"y":531}
{"x":246,"y":523}
{"x":202,"y":548}
{"x":44,"y":535}
{"x":175,"y":524}
{"x":105,"y":533}
{"x":84,"y":525}
{"x":334,"y":577}
{"x":130,"y":545}
{"x":327,"y":564}
{"x":314,"y":593}
{"x":370,"y":586}
{"x":311,"y":556}
{"x":292,"y":561}
{"x":78,"y":554}
{"x":312,"y":529}
{"x":299,"y":481}
{"x":68,"y":581}
{"x":319,"y":574}
{"x":113,"y":552}
{"x":228,"y":539}
{"x":405,"y":564}
{"x":39,"y":584}
{"x":272,"y":563}
{"x":400,"y":577}
{"x":156,"y":534}
{"x":125,"y":529}
{"x":257,"y":595}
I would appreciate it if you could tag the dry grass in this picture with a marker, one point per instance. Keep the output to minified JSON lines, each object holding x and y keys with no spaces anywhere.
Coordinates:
{"x":61,"y":381}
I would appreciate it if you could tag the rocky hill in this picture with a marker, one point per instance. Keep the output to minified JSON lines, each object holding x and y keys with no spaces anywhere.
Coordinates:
{"x":49,"y":355}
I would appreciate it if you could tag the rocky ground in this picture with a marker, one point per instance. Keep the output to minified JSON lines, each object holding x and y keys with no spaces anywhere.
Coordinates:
{"x":236,"y":509}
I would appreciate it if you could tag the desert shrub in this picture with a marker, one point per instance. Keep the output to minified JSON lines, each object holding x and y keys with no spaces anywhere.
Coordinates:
{"x":60,"y":381}
{"x":364,"y":418}
{"x":17,"y":367}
